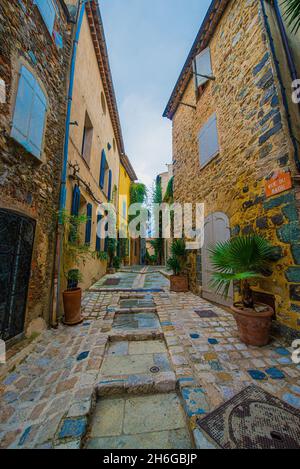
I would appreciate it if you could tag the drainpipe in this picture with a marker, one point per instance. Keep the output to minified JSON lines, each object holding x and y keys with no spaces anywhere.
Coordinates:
{"x":63,"y":189}
{"x":279,"y":75}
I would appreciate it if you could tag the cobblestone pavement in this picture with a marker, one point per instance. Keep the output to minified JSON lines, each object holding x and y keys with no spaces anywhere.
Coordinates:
{"x":48,"y":400}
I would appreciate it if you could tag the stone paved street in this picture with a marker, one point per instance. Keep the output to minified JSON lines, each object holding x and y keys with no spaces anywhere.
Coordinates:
{"x":48,"y":400}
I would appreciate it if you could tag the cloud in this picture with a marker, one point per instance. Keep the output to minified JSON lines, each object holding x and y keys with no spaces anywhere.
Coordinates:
{"x":148,"y":136}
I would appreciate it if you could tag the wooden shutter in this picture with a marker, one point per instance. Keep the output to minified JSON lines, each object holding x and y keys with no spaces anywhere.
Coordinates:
{"x":47,"y":11}
{"x":102,"y":170}
{"x":88,"y":228}
{"x":21,"y":118}
{"x":37,"y":121}
{"x":203,"y":66}
{"x":109,"y":185}
{"x":75,"y":202}
{"x":208,"y":141}
{"x":29,"y":114}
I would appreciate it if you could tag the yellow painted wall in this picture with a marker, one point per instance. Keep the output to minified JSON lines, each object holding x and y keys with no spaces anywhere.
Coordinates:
{"x":124,"y":199}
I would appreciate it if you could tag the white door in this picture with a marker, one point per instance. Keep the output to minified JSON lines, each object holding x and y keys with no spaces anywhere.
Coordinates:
{"x":216,"y":229}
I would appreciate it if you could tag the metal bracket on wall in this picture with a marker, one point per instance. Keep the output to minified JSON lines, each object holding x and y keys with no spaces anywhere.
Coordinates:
{"x":188,"y":105}
{"x":208,"y":77}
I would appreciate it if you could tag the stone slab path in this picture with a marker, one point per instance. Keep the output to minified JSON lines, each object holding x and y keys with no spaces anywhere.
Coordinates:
{"x":48,"y":400}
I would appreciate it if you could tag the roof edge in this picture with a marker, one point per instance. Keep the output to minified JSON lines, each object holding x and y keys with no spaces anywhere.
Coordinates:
{"x":128,"y":167}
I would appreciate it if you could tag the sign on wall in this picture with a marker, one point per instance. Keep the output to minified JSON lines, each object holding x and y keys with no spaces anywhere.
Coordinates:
{"x":278,"y":182}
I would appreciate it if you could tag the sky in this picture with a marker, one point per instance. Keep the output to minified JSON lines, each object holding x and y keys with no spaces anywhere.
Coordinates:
{"x":148,"y":42}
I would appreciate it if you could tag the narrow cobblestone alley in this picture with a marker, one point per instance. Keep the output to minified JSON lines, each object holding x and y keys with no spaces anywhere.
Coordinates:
{"x":120,"y":380}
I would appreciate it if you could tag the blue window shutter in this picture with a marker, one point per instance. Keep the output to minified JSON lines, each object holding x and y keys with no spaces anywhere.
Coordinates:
{"x":106,"y":245}
{"x":102,"y":169}
{"x":29,"y":113}
{"x":109,"y":185}
{"x":208,"y":141}
{"x":98,"y":238}
{"x":47,"y":11}
{"x":88,"y":228}
{"x":21,"y":118}
{"x":75,"y":202}
{"x":37,"y":121}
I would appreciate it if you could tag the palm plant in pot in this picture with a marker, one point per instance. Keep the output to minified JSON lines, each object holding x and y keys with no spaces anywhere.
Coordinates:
{"x":177,"y":263}
{"x":111,"y":252}
{"x":241,"y":260}
{"x":74,"y":252}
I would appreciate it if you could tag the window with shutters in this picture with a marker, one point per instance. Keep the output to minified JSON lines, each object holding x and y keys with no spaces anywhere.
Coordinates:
{"x":209,"y":141}
{"x":47,"y":11}
{"x":87,"y":139}
{"x":202,"y":68}
{"x":29,"y":115}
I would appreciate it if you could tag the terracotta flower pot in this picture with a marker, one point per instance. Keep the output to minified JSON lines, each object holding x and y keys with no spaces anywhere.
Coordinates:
{"x":72,"y":306}
{"x":254,"y":327}
{"x":179,"y":284}
{"x":111,"y":271}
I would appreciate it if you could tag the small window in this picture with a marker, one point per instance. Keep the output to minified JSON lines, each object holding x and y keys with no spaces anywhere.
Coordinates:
{"x":47,"y":11}
{"x":87,"y":139}
{"x":29,"y":114}
{"x":208,"y":141}
{"x":202,"y":67}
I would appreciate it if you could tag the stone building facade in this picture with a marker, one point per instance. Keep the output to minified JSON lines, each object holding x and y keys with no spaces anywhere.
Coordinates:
{"x":35,"y":43}
{"x":235,"y":147}
{"x":96,"y":143}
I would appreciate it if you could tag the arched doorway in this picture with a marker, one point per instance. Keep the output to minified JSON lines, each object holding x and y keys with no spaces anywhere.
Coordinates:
{"x":16,"y":245}
{"x":216,"y":229}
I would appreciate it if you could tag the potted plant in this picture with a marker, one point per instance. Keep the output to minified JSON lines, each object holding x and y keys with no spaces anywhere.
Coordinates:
{"x":177,"y":263}
{"x":111,"y":252}
{"x":74,"y":252}
{"x":240,"y":260}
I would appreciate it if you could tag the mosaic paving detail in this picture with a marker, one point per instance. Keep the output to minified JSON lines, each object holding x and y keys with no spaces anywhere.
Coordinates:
{"x":206,"y":313}
{"x":146,"y":422}
{"x":132,"y":321}
{"x":254,"y":419}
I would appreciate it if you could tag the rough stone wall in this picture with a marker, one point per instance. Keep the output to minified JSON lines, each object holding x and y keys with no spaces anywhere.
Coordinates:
{"x":254,"y":142}
{"x":29,"y":186}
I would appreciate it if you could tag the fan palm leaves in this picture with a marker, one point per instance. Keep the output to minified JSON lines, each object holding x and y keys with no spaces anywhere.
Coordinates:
{"x":293,"y":13}
{"x":240,"y":259}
